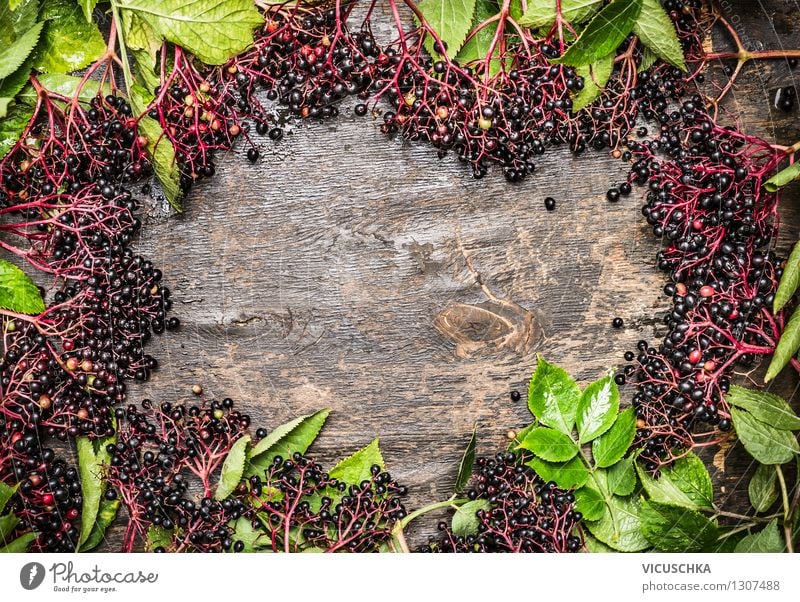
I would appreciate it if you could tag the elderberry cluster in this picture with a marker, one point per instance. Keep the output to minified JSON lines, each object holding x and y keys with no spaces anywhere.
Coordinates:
{"x":525,"y":514}
{"x":706,"y":201}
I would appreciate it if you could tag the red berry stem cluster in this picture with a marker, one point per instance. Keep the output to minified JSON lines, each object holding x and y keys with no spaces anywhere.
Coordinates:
{"x":66,"y":209}
{"x":705,"y":199}
{"x":524,"y":513}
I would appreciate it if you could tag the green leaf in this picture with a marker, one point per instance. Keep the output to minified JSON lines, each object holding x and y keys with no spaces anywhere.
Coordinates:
{"x":6,"y":493}
{"x":232,"y":468}
{"x":68,"y":42}
{"x":12,"y":57}
{"x":764,"y":406}
{"x":467,"y":462}
{"x":158,"y":537}
{"x":515,"y":10}
{"x":465,"y":520}
{"x":162,"y":153}
{"x":91,"y":461}
{"x":657,"y":32}
{"x":686,"y":484}
{"x":597,"y":409}
{"x":20,"y":544}
{"x":294,"y":436}
{"x":783,"y":177}
{"x":88,"y":8}
{"x":553,"y":397}
{"x":105,"y":516}
{"x":550,"y":445}
{"x":604,"y":33}
{"x":567,"y":475}
{"x":595,"y":77}
{"x":766,"y":444}
{"x":790,"y":280}
{"x":18,"y":293}
{"x":622,"y":477}
{"x":542,"y":13}
{"x":212,"y":30}
{"x":11,"y":86}
{"x":8,"y":523}
{"x":253,"y":539}
{"x":609,"y":448}
{"x":21,"y":17}
{"x":12,"y":127}
{"x":477,"y":47}
{"x":766,"y":541}
{"x":450,"y":19}
{"x":787,"y":346}
{"x":66,"y":85}
{"x":357,"y":467}
{"x":590,"y":503}
{"x":620,"y":527}
{"x":671,"y":528}
{"x":649,"y":59}
{"x":595,"y":546}
{"x":763,"y":489}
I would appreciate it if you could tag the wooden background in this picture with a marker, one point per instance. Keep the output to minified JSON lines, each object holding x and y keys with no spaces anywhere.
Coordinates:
{"x":349,"y":271}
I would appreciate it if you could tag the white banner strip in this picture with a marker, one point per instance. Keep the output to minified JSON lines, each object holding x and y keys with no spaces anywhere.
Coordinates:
{"x":386,"y":578}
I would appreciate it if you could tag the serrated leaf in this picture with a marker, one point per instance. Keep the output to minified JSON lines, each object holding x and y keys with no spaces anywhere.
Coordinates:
{"x":18,"y":293}
{"x":19,"y":545}
{"x":450,"y":19}
{"x":212,"y":30}
{"x":6,"y":493}
{"x":788,"y":345}
{"x":159,"y":147}
{"x":21,"y":17}
{"x":12,"y":57}
{"x":764,"y":406}
{"x":609,"y":448}
{"x":649,"y":59}
{"x":663,"y":490}
{"x":105,"y":516}
{"x":595,"y":77}
{"x":515,"y":10}
{"x":88,"y":7}
{"x":790,"y":280}
{"x":671,"y":528}
{"x":550,"y":445}
{"x":12,"y":126}
{"x":141,"y":38}
{"x":597,"y":409}
{"x":294,"y":436}
{"x":357,"y":467}
{"x":766,"y":541}
{"x":8,"y":523}
{"x":68,"y":42}
{"x":11,"y":86}
{"x":465,"y":520}
{"x":553,"y":397}
{"x":91,"y":462}
{"x":766,"y":444}
{"x":622,"y":477}
{"x":567,"y":475}
{"x":590,"y":503}
{"x":477,"y":47}
{"x":783,"y":177}
{"x":620,"y":527}
{"x":657,"y":32}
{"x":604,"y":33}
{"x":542,"y":13}
{"x":467,"y":461}
{"x":232,"y":468}
{"x":763,"y":488}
